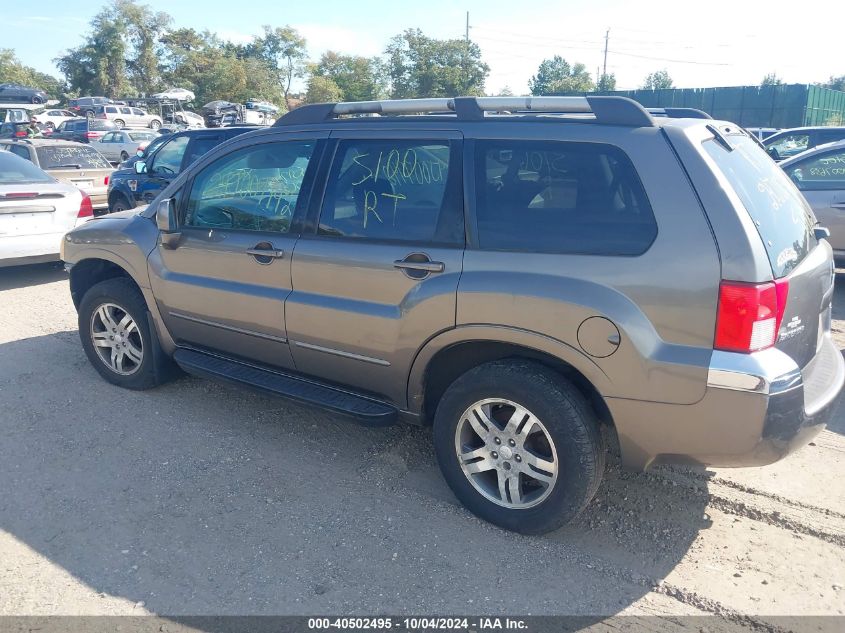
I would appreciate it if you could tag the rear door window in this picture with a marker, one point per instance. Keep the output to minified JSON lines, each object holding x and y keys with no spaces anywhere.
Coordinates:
{"x":560,"y":197}
{"x":398,"y":190}
{"x":782,"y":216}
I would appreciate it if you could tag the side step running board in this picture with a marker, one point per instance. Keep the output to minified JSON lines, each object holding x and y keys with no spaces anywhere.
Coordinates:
{"x":362,"y":409}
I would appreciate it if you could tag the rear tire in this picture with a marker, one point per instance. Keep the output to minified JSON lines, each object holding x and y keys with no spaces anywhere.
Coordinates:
{"x":534,"y":456}
{"x":36,"y":99}
{"x":120,"y":123}
{"x":155,"y":124}
{"x":114,"y":328}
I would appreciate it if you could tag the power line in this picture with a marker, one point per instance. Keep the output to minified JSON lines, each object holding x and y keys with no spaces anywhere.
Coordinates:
{"x":667,"y":59}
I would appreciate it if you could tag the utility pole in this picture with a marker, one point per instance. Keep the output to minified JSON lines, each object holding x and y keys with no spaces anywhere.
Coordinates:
{"x":466,"y":37}
{"x":466,"y":56}
{"x":606,"y":38}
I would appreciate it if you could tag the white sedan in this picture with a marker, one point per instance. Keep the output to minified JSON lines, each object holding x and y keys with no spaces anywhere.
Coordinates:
{"x":119,"y":146}
{"x":35,"y":212}
{"x":51,"y":119}
{"x":179,"y":94}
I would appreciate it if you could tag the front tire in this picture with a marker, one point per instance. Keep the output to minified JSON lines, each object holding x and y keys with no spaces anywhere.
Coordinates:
{"x":119,"y":203}
{"x":155,"y":124}
{"x":116,"y":336}
{"x":519,"y":445}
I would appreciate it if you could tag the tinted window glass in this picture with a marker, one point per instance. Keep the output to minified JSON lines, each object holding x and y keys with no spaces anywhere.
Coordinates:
{"x":16,"y":170}
{"x":785,"y":145}
{"x":69,"y":156}
{"x":824,"y":171}
{"x":253,"y":189}
{"x":829,"y":136}
{"x":553,"y":197}
{"x":201,"y":146}
{"x":393,"y":190}
{"x":780,"y":212}
{"x":21,"y":151}
{"x":168,"y":160}
{"x":140,"y":136}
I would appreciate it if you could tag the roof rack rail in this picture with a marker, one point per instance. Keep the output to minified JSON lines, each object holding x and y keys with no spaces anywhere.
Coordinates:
{"x":679,"y":113}
{"x":607,"y":110}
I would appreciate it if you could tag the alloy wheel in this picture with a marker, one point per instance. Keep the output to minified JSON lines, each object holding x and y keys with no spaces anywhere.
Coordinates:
{"x":506,"y":453}
{"x":117,"y":339}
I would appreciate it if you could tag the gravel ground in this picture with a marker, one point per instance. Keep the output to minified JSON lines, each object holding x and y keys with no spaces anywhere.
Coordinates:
{"x":198,"y":499}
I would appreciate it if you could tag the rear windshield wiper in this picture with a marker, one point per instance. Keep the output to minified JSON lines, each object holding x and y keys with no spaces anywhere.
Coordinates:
{"x":65,"y":167}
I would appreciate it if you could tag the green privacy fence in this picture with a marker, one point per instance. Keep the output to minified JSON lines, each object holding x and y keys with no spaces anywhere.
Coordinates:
{"x":785,"y":106}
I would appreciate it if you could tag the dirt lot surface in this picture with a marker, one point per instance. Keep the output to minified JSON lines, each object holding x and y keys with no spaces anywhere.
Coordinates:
{"x":198,"y":499}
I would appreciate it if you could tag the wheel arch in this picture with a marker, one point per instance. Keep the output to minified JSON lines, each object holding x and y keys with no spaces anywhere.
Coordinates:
{"x":455,"y":352}
{"x":92,"y":270}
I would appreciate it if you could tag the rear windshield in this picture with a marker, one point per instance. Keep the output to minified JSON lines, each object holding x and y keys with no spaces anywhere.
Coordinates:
{"x":98,"y":125}
{"x":15,"y":170}
{"x":783,"y":218}
{"x":70,"y":157}
{"x":142,"y":136}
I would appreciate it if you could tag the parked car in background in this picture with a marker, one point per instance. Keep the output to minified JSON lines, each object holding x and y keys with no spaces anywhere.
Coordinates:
{"x":127,"y":116}
{"x":51,"y":119}
{"x":85,"y":106}
{"x":787,"y":143}
{"x":762,"y":133}
{"x":129,"y":188}
{"x":15,"y":129}
{"x":83,"y":129}
{"x":148,"y":151}
{"x":503,"y":278}
{"x":819,"y":174}
{"x":77,"y":164}
{"x":180,"y":94}
{"x":35,"y":212}
{"x":120,"y":145}
{"x":16,"y":93}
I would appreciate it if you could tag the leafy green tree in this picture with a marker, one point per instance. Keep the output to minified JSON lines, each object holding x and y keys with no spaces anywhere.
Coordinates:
{"x":145,"y":29}
{"x":12,"y":70}
{"x":835,"y":83}
{"x":420,"y":66}
{"x":556,"y":75}
{"x":283,"y":50}
{"x":323,"y":90}
{"x":771,"y":80}
{"x":213,"y":70}
{"x":505,"y":92}
{"x":658,"y":80}
{"x":606,"y":82}
{"x":358,"y":78}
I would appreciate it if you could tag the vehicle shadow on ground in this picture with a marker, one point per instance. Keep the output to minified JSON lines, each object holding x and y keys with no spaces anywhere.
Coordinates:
{"x":195,"y":498}
{"x":837,"y":422}
{"x":33,"y":275}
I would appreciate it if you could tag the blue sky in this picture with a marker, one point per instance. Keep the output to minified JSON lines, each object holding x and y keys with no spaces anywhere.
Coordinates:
{"x":726,"y":43}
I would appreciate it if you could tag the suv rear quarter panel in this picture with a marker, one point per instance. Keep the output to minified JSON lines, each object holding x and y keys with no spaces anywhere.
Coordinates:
{"x":663,"y":302}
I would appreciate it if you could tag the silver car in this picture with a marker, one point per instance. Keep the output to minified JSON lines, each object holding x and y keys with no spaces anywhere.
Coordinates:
{"x":820,"y":175}
{"x":127,"y":116}
{"x":119,"y":146}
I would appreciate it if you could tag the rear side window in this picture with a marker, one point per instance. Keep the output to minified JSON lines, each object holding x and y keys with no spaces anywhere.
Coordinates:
{"x":393,"y":190}
{"x":100,"y":125}
{"x":782,"y":216}
{"x":559,"y":197}
{"x":70,"y":157}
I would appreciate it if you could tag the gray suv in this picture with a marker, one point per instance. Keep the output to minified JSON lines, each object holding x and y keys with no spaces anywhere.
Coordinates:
{"x":534,"y":277}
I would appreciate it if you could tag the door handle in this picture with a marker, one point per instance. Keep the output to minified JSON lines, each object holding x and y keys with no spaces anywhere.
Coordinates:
{"x":264,"y":253}
{"x":429,"y":267}
{"x":418,"y":266}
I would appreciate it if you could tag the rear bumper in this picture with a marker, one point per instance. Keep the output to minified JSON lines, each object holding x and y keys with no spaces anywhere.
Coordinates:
{"x":29,"y":249}
{"x":757,"y":409}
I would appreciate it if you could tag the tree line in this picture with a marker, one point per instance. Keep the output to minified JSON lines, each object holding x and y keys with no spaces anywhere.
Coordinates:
{"x":131,"y":51}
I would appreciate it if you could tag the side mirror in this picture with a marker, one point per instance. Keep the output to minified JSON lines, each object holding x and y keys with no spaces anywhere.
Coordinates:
{"x":167,"y":223}
{"x":140,"y":167}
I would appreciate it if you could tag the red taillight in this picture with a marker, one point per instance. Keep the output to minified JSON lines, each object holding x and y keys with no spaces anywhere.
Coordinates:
{"x":91,"y":134}
{"x":21,"y":195}
{"x":20,"y":134}
{"x":106,"y":180}
{"x":749,"y":315}
{"x":86,"y":209}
